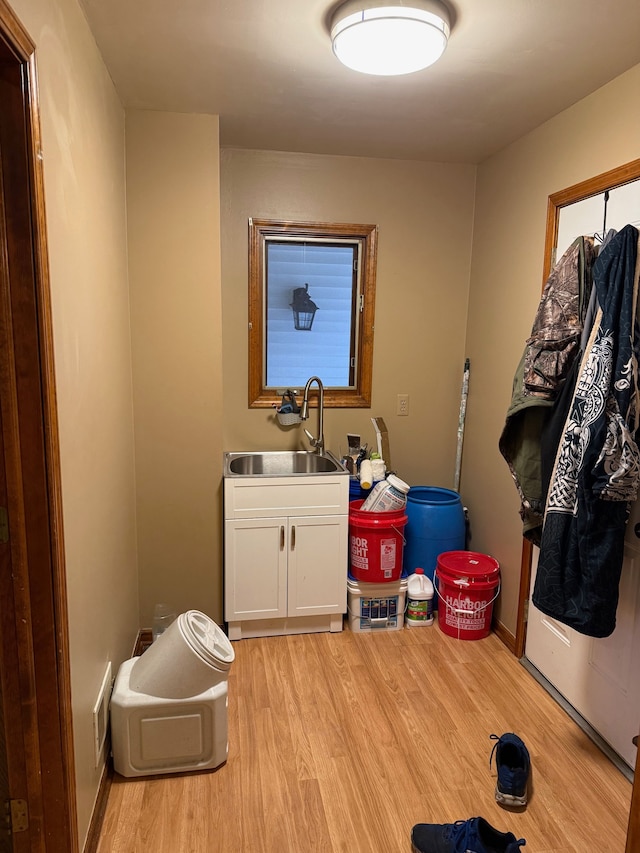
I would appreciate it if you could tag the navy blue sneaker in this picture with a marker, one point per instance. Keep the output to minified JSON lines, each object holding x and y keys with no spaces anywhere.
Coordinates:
{"x":465,"y":836}
{"x":512,"y":763}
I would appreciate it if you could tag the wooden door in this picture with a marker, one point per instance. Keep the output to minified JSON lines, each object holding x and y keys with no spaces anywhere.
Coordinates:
{"x":8,"y":662}
{"x":34,"y":662}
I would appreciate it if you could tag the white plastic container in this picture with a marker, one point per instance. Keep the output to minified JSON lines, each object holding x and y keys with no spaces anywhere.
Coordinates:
{"x":376,"y":606}
{"x":152,"y":735}
{"x":169,"y":706}
{"x":388,"y":495}
{"x":419,"y":600}
{"x":191,"y":656}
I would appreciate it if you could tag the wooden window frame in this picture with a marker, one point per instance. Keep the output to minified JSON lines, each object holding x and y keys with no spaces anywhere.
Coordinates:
{"x":259,"y":231}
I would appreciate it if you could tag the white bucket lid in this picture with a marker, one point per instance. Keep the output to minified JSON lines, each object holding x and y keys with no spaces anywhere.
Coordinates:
{"x":371,"y":589}
{"x":206,"y":639}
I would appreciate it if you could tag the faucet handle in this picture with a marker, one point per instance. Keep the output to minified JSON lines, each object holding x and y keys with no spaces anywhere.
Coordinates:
{"x":313,"y":441}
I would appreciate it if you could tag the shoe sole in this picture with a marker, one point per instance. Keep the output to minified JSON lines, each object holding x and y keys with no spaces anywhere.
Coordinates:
{"x":510,"y":799}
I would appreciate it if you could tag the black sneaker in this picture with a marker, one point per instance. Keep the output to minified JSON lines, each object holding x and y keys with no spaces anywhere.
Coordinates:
{"x":512,"y":763}
{"x":465,"y":836}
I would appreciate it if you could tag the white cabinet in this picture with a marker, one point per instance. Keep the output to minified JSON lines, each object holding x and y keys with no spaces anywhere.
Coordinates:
{"x":286,"y":554}
{"x":255,"y":560}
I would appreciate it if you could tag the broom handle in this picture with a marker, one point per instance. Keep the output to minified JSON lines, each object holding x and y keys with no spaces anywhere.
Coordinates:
{"x":461,"y":419}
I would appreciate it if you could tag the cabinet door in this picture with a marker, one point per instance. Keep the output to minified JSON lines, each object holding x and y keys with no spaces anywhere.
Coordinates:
{"x":255,"y":558}
{"x":317,"y":565}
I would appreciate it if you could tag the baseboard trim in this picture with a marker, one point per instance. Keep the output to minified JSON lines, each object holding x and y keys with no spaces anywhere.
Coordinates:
{"x":505,"y":635}
{"x":145,"y":638}
{"x":95,"y":827}
{"x":143,"y":641}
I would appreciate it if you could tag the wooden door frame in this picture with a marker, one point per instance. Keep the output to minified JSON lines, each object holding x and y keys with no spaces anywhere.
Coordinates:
{"x":34,"y":647}
{"x":578,"y":192}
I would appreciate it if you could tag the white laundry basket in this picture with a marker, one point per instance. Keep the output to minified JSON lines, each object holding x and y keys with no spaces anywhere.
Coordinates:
{"x":169,"y":706}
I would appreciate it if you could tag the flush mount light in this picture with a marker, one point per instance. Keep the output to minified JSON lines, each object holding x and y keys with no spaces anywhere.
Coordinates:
{"x":390,"y":36}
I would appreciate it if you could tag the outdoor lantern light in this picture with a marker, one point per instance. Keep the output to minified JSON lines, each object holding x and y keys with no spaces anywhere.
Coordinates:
{"x":389,"y":37}
{"x":304,"y":309}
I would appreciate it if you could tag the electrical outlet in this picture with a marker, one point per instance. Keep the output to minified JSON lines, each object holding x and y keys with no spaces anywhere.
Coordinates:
{"x":403,"y":404}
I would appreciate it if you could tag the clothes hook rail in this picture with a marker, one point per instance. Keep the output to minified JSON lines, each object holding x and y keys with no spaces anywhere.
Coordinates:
{"x":600,"y":237}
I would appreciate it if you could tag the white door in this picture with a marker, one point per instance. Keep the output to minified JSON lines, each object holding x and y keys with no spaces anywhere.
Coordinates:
{"x":600,"y":678}
{"x":317,"y":565}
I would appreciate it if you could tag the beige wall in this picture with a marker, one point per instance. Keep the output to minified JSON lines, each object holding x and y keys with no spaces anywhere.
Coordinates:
{"x":599,"y":133}
{"x":424,"y":212}
{"x":84,"y":172}
{"x":174,"y":266}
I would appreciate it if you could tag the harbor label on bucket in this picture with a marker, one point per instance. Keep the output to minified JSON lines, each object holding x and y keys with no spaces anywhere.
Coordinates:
{"x":467,"y":584}
{"x":465,"y":614}
{"x":360,"y":552}
{"x":387,"y":558}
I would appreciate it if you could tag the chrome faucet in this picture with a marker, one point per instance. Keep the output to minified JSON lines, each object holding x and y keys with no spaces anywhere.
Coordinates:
{"x":318,"y":442}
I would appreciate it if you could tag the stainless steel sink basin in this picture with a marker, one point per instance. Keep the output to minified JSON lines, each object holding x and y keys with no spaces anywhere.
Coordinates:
{"x":281,"y":463}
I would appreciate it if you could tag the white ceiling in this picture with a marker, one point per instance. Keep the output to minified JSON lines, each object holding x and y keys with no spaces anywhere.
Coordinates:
{"x":267,"y":69}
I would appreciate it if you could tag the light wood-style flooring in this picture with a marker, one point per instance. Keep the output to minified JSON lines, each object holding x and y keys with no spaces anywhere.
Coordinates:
{"x":341,"y":742}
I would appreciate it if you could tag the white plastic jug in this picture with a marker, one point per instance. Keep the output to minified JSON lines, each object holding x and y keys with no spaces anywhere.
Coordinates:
{"x":388,"y":495}
{"x":419,"y":600}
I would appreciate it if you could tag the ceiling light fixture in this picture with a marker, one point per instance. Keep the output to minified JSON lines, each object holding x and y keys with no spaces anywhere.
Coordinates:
{"x":390,"y":37}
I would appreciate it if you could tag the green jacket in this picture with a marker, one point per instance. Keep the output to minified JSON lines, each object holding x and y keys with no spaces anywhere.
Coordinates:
{"x":546,"y":362}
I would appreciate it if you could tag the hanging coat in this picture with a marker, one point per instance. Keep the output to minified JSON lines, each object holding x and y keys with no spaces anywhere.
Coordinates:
{"x":597,"y":467}
{"x":547,"y":360}
{"x":553,"y":429}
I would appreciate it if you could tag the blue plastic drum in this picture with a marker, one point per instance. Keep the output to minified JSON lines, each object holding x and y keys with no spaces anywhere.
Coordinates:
{"x":435,"y":523}
{"x":354,"y":489}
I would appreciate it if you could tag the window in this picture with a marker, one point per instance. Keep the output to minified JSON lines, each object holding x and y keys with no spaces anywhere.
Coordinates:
{"x":311,"y":309}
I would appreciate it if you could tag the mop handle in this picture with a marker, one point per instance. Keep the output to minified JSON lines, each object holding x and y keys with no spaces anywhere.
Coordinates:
{"x":461,"y":420}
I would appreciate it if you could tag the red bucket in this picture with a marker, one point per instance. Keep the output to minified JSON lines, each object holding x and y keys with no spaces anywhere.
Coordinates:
{"x":467,"y":584}
{"x":376,"y":541}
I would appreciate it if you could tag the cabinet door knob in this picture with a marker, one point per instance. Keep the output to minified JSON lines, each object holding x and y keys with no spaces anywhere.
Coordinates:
{"x":293,"y":536}
{"x":281,"y":537}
